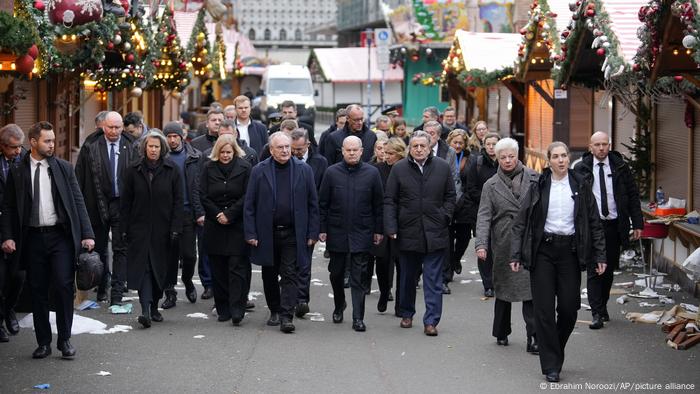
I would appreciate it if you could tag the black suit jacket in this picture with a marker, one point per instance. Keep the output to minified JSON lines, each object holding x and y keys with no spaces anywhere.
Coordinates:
{"x":67,"y":198}
{"x":257,"y":132}
{"x":318,"y":164}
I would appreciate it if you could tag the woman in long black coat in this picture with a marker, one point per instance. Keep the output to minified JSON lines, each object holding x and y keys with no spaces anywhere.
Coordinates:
{"x":151,"y":221}
{"x":223,"y":185}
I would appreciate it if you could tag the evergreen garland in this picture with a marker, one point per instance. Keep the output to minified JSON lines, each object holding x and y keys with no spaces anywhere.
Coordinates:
{"x":170,"y":65}
{"x":541,"y":25}
{"x":198,"y":48}
{"x":17,"y":34}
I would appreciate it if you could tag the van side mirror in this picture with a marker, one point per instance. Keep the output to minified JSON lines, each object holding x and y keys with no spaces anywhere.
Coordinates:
{"x":316,"y":93}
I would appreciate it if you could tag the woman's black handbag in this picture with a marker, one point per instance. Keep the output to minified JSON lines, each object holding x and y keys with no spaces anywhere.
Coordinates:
{"x":89,"y":270}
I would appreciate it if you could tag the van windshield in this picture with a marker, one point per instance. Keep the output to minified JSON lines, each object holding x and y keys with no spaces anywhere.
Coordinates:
{"x":290,"y":86}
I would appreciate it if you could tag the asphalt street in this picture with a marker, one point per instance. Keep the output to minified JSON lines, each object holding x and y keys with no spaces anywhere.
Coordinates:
{"x":325,"y":357}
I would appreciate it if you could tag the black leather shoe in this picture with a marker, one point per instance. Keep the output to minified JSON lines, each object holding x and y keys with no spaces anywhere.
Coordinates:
{"x":488,"y":293}
{"x":287,"y":326}
{"x":250,"y":304}
{"x":274,"y":319}
{"x":338,"y":314}
{"x":381,"y":304}
{"x":67,"y":350}
{"x":208,"y":293}
{"x":446,"y":289}
{"x":223,"y":318}
{"x":237,"y":321}
{"x":170,"y":302}
{"x":597,"y":323}
{"x":502,"y":341}
{"x":42,"y":351}
{"x":458,"y":268}
{"x":4,"y":336}
{"x":11,"y":322}
{"x":155,"y":315}
{"x":552,"y":377}
{"x":145,"y":321}
{"x":191,"y":293}
{"x":358,"y":325}
{"x":532,"y":347}
{"x":301,"y":310}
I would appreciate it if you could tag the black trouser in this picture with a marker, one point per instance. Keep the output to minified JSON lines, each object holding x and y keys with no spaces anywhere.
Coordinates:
{"x":486,"y":269}
{"x":51,"y":258}
{"x":358,"y":269}
{"x":501,"y":318}
{"x":281,"y":294}
{"x":384,"y":267}
{"x":102,"y":231}
{"x":305,"y":278}
{"x":11,"y":284}
{"x":556,"y":283}
{"x":149,"y":291}
{"x":599,"y":285}
{"x":231,"y":279}
{"x":185,"y":253}
{"x":460,"y":233}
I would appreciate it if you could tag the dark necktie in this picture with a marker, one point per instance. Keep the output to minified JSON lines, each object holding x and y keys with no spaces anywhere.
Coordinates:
{"x":603,"y":190}
{"x":36,"y":198}
{"x":113,"y":168}
{"x":5,"y":168}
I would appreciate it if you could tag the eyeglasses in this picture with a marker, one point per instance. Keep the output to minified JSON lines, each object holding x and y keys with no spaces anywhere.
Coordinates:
{"x":356,"y":120}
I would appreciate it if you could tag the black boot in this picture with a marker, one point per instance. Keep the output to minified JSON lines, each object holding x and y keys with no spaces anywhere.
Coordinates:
{"x":170,"y":299}
{"x":145,"y":318}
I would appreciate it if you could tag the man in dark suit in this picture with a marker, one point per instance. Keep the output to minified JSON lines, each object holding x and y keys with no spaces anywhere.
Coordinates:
{"x":11,"y":276}
{"x":280,"y":222}
{"x":618,"y":202}
{"x":429,"y":114}
{"x":355,"y":126}
{"x":45,"y":223}
{"x":251,"y":131}
{"x":449,"y":122}
{"x":302,"y":150}
{"x":350,"y":205}
{"x":99,"y":170}
{"x":206,"y":141}
{"x":289,"y":112}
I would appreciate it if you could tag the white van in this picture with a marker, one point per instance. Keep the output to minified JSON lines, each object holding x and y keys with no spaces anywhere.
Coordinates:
{"x":286,"y":81}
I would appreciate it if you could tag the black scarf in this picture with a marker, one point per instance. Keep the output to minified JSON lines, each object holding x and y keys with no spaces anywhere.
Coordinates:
{"x":512,"y":179}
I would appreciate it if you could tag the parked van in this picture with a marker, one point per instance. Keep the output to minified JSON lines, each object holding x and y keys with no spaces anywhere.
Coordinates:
{"x":286,"y":81}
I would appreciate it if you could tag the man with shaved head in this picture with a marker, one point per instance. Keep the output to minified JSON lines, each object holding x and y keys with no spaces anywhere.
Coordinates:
{"x":103,"y":158}
{"x":350,"y":206}
{"x":617,"y":196}
{"x":280,"y":222}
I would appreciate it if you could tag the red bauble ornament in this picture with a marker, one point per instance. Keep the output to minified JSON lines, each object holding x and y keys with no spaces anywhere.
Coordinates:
{"x":565,"y":33}
{"x":183,"y":65}
{"x":590,"y":12}
{"x":130,"y":58}
{"x":556,"y":58}
{"x":678,"y":78}
{"x":125,"y":5}
{"x":156,"y":63}
{"x":75,"y":12}
{"x":24,"y":64}
{"x":636,"y":67}
{"x":39,"y":5}
{"x":600,"y":52}
{"x":110,"y":46}
{"x":33,"y":51}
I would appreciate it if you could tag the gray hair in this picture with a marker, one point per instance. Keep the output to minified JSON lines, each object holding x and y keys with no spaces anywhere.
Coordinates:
{"x":433,"y":111}
{"x":11,"y":130}
{"x":353,"y":107}
{"x":100,"y":117}
{"x":154,"y":133}
{"x":383,"y":119}
{"x":352,"y":138}
{"x":433,"y":124}
{"x":419,"y":134}
{"x":275,"y":135}
{"x":381,"y":135}
{"x":299,"y":134}
{"x":230,"y":108}
{"x":506,"y":144}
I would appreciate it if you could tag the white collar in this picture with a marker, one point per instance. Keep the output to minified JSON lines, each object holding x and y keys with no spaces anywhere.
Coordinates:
{"x":244,"y":124}
{"x":43,"y":162}
{"x":606,"y":161}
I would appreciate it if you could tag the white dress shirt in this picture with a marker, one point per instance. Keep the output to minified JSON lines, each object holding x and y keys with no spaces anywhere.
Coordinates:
{"x":47,"y":211}
{"x":612,"y":208}
{"x":560,"y":213}
{"x":435,"y":150}
{"x":243,"y":133}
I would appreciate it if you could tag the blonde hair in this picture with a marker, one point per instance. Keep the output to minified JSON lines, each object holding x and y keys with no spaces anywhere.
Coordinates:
{"x":226,"y":139}
{"x":397,"y":145}
{"x":457,"y":133}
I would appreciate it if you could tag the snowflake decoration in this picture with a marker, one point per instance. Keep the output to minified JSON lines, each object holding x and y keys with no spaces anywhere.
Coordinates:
{"x":89,"y":6}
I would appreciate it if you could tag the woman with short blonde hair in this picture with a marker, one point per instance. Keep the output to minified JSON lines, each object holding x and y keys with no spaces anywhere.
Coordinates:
{"x":226,"y":139}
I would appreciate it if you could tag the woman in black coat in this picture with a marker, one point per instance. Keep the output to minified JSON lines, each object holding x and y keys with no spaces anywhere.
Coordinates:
{"x":385,"y":254}
{"x":481,"y":167}
{"x":151,"y":220}
{"x":556,"y":235}
{"x":460,"y":231}
{"x":223,"y":184}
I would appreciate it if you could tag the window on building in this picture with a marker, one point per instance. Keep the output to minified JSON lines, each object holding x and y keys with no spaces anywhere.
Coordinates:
{"x":283,"y":35}
{"x":268,"y":35}
{"x":251,"y":34}
{"x":297,"y":35}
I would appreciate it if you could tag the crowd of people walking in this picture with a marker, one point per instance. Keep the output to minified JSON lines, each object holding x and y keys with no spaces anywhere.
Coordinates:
{"x":404,"y":204}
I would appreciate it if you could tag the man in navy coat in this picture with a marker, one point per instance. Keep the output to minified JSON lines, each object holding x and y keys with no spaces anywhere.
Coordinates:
{"x":281,"y":221}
